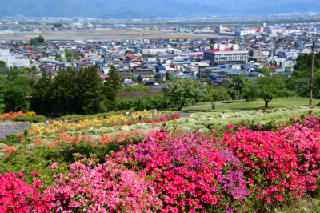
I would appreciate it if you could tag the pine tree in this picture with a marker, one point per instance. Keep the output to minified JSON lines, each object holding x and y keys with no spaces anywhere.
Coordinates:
{"x":42,"y":99}
{"x":91,"y":91}
{"x":112,"y":87}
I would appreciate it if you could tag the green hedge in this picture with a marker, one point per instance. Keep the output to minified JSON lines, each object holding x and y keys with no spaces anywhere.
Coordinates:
{"x":32,"y":119}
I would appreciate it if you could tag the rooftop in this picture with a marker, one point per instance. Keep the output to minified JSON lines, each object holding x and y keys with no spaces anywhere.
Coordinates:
{"x":227,"y":49}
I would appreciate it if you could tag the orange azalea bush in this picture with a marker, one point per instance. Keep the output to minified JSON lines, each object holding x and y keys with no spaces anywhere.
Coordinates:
{"x":11,"y":115}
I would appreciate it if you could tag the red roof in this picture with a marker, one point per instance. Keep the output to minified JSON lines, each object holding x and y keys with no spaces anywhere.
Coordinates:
{"x":227,"y":49}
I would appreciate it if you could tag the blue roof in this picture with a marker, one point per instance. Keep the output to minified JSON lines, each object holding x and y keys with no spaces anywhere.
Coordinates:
{"x":161,"y":68}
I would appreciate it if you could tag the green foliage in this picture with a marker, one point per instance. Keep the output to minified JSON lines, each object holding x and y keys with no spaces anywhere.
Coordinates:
{"x":16,"y":91}
{"x":35,"y":40}
{"x":71,"y":92}
{"x":2,"y":96}
{"x":250,"y":91}
{"x":213,"y":94}
{"x":112,"y":87}
{"x":269,"y":87}
{"x":3,"y":64}
{"x":40,"y":158}
{"x":140,"y":86}
{"x":183,"y":92}
{"x":237,"y":85}
{"x":146,"y":102}
{"x":304,"y":62}
{"x":265,"y":70}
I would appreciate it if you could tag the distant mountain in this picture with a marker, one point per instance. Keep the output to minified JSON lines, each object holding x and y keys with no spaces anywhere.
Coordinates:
{"x":151,"y":8}
{"x":262,"y":7}
{"x":107,"y":8}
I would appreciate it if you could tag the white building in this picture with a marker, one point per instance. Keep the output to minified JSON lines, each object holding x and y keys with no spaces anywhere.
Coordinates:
{"x":12,"y":61}
{"x":244,"y":32}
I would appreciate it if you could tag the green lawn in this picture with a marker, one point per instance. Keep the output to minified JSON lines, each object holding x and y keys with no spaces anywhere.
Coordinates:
{"x":259,"y":104}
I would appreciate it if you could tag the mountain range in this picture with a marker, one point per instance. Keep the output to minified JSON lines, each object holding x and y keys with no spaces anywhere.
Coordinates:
{"x":151,"y":8}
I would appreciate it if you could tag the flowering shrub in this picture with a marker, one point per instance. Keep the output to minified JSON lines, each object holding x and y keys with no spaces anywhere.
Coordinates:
{"x":190,"y":173}
{"x":30,"y":113}
{"x":280,"y":166}
{"x":16,"y":196}
{"x":11,"y":115}
{"x":115,"y":120}
{"x":101,"y":188}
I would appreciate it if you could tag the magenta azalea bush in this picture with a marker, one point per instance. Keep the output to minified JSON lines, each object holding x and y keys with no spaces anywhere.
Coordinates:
{"x":190,"y":172}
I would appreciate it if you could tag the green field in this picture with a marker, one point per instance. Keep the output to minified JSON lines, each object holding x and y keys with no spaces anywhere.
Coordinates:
{"x":259,"y":104}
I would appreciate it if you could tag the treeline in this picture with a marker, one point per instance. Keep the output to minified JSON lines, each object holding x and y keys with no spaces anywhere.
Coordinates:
{"x":69,"y":92}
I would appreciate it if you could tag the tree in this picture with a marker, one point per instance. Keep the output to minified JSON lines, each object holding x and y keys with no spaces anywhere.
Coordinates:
{"x":280,"y":65}
{"x":43,"y":99}
{"x":3,"y":64}
{"x":213,"y":94}
{"x":184,"y":91}
{"x":212,"y":41}
{"x":41,"y":39}
{"x":271,"y":63}
{"x":250,"y":91}
{"x":58,"y":56}
{"x":268,"y":88}
{"x":16,"y":91}
{"x":265,"y":70}
{"x":35,"y":40}
{"x":112,"y":86}
{"x":236,"y":86}
{"x":2,"y":100}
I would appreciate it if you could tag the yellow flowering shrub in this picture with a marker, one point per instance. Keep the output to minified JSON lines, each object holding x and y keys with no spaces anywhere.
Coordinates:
{"x":58,"y":126}
{"x":30,"y":113}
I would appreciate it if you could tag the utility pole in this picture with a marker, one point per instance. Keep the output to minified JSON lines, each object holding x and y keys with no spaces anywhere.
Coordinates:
{"x":311,"y":77}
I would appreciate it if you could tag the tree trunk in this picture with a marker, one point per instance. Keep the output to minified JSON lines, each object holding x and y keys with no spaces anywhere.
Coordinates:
{"x":180,"y":107}
{"x":266,"y":103}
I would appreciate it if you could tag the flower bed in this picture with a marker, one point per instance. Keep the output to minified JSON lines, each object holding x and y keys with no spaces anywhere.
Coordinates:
{"x":11,"y":115}
{"x":13,"y":128}
{"x":251,"y":119}
{"x":172,"y":171}
{"x":96,"y":125}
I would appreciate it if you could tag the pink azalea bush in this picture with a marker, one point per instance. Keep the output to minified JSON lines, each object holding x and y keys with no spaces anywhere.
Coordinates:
{"x":101,"y":188}
{"x":189,"y":172}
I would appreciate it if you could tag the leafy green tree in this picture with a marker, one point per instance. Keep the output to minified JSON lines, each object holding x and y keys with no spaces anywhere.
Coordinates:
{"x":280,"y":65}
{"x":16,"y":91}
{"x":269,"y":88}
{"x":41,"y":39}
{"x":215,"y":93}
{"x":265,"y":70}
{"x":35,"y":40}
{"x":112,"y":86}
{"x":250,"y":91}
{"x":58,"y":56}
{"x":237,"y":85}
{"x":3,"y":64}
{"x":184,"y":91}
{"x":2,"y":94}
